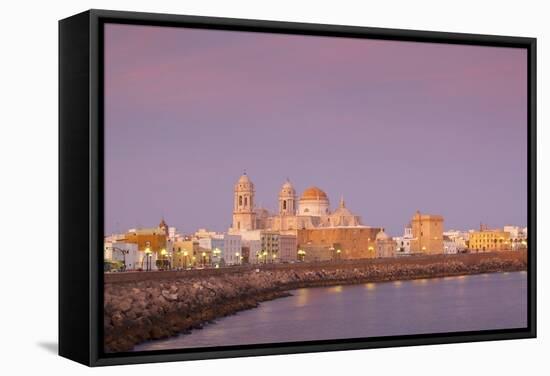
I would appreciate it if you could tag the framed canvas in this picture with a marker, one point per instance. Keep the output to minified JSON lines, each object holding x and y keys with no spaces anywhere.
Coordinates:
{"x":234,"y":187}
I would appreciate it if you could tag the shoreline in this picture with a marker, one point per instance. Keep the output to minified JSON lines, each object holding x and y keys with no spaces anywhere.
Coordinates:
{"x":140,"y":311}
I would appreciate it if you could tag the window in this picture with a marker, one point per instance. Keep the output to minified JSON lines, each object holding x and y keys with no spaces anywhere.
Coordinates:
{"x":284,"y":204}
{"x":245,"y":201}
{"x":240,"y":200}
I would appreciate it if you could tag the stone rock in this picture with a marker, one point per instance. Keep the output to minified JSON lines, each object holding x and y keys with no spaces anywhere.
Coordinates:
{"x":125,"y":305}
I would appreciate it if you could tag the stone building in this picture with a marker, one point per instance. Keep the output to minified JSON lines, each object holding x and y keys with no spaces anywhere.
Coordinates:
{"x":324,"y":243}
{"x":427,"y":232}
{"x":308,"y":218}
{"x":277,"y":247}
{"x":244,"y":217}
{"x":385,"y":245}
{"x":186,"y":253}
{"x":312,"y":210}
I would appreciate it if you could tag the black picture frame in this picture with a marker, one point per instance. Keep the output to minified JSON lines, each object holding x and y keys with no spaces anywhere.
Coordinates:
{"x":81,"y":182}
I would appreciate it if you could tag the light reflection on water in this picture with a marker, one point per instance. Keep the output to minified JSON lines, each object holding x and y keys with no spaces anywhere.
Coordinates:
{"x":461,"y":303}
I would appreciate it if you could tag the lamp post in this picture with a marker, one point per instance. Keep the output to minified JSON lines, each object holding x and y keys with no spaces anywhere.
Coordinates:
{"x":237,"y":255}
{"x":185,"y":254}
{"x":217,"y":253}
{"x":331,"y":249}
{"x":148,"y":255}
{"x":301,"y":255}
{"x":203,"y":259}
{"x":338,"y":251}
{"x":163,"y":254}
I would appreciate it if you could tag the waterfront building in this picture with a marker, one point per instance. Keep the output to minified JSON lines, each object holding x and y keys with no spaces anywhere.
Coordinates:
{"x":385,"y":245}
{"x":186,"y":252}
{"x":269,"y":241}
{"x":518,"y":236}
{"x":403,"y":243}
{"x":324,"y":243}
{"x":232,"y":249}
{"x":277,"y":247}
{"x":308,"y":219}
{"x":288,"y":248}
{"x":312,"y":210}
{"x":214,"y":243}
{"x":252,"y":241}
{"x":125,"y":253}
{"x":486,"y":240}
{"x":450,"y":247}
{"x":427,"y":232}
{"x":455,"y":241}
{"x":153,"y":238}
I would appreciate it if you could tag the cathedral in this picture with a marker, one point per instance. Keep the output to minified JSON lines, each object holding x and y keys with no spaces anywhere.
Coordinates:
{"x":310,"y":211}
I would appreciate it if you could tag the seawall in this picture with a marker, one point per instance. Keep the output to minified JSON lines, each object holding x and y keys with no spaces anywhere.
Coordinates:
{"x":142,"y":306}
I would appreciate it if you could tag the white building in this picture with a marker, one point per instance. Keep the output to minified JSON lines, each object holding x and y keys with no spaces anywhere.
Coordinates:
{"x":403,"y":243}
{"x":252,"y":240}
{"x":226,"y":248}
{"x":518,"y":236}
{"x":454,"y":241}
{"x":450,"y":247}
{"x":127,"y":253}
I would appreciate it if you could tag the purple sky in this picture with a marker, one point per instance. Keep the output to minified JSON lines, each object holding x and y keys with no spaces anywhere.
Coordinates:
{"x":392,"y":126}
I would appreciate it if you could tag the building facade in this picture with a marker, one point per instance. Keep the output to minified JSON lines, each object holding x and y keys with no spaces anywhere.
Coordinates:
{"x":427,"y":232}
{"x":385,"y":245}
{"x":487,"y":240}
{"x":324,"y":243}
{"x":312,"y":210}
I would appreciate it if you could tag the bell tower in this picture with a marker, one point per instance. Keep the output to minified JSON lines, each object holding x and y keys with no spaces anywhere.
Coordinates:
{"x":287,"y":199}
{"x":244,"y":217}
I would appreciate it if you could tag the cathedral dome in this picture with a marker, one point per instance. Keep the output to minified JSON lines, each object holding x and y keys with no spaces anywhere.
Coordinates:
{"x":314,"y":193}
{"x":382,"y":236}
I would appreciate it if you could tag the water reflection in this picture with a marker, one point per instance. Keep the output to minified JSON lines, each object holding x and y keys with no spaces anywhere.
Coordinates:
{"x":477,"y":302}
{"x":370,"y":286}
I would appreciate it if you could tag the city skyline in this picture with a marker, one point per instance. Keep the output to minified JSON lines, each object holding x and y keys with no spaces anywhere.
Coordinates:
{"x":394,"y":127}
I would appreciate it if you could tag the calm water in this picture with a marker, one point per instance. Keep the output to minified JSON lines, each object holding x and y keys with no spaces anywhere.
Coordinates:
{"x":487,"y":301}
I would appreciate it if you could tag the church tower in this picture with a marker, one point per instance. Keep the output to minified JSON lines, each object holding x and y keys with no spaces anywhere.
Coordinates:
{"x":287,"y":199}
{"x":244,"y":217}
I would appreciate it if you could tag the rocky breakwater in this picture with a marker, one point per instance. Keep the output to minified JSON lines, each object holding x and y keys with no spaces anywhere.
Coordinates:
{"x":141,"y":310}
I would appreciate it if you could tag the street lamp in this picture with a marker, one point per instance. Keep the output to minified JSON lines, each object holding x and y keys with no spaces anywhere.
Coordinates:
{"x":237,"y":254}
{"x":338,"y":251}
{"x":148,"y":255}
{"x":203,"y":258}
{"x":163,"y":253}
{"x":185,"y":254}
{"x":301,"y":255}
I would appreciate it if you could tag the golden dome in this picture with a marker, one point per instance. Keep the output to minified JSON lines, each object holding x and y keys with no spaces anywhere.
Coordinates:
{"x":314,"y":193}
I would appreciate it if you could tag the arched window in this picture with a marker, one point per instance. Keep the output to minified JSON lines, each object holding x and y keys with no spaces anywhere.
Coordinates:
{"x":284,"y":204}
{"x":245,"y":201}
{"x":240,"y":200}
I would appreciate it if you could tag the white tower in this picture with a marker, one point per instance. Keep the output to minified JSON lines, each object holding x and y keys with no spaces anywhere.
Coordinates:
{"x":287,"y":199}
{"x":244,"y":217}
